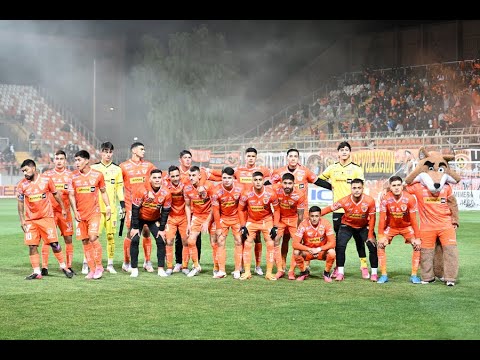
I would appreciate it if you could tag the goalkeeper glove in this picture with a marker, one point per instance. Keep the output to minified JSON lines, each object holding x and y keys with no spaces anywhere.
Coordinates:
{"x":273,"y":232}
{"x":244,"y":232}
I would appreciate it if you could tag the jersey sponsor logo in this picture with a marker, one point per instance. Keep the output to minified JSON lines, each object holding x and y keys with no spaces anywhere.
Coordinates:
{"x":151,"y":205}
{"x":434,"y":200}
{"x":229,"y":203}
{"x":246,"y":179}
{"x":356,"y":216}
{"x":37,"y":197}
{"x":285,"y":206}
{"x":85,"y":189}
{"x":61,"y":186}
{"x":256,"y":208}
{"x":315,"y":240}
{"x":199,"y":202}
{"x":137,"y":180}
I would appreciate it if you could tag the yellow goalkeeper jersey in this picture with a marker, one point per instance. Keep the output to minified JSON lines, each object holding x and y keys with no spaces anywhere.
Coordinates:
{"x":113,"y":183}
{"x":340,"y":176}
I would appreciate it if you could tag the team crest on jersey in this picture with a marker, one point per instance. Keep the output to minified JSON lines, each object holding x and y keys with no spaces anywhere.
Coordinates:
{"x":266,"y":200}
{"x":92,"y":181}
{"x":364,"y":207}
{"x":299,"y":177}
{"x":403,"y":207}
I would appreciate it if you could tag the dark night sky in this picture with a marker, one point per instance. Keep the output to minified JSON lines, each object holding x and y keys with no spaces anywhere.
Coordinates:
{"x":280,"y":46}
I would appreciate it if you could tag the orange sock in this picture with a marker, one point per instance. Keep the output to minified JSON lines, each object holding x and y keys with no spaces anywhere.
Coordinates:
{"x":270,"y":257}
{"x":89,"y":255}
{"x":45,"y":250}
{"x":126,"y":250}
{"x":185,"y":257}
{"x":329,"y":262}
{"x":97,"y":253}
{"x":147,"y":247}
{"x":247,"y":256}
{"x":215,"y":256}
{"x":284,"y":251}
{"x":293,"y":264}
{"x":415,"y":262}
{"x":238,"y":254}
{"x":300,"y":261}
{"x":221,"y":258}
{"x":60,"y":258}
{"x":193,"y":252}
{"x":35,"y":260}
{"x":258,"y":254}
{"x":69,"y":254}
{"x":169,"y":250}
{"x":382,"y":261}
{"x":277,"y":251}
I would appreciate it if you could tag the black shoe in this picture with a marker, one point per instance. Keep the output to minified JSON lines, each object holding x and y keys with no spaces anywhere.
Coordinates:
{"x":68,"y":274}
{"x":73,"y":272}
{"x":33,"y":276}
{"x":44,"y":272}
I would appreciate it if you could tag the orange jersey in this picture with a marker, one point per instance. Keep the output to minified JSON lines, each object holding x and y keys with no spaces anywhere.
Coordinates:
{"x":356,"y":214}
{"x":201,"y":205}
{"x":60,"y":179}
{"x":433,"y":209}
{"x":135,"y":174}
{"x":150,"y":208}
{"x":303,"y":176}
{"x":289,"y":204}
{"x":258,"y":206}
{"x":395,"y":213}
{"x":34,"y":195}
{"x":85,"y":188}
{"x":178,"y":201}
{"x":243,"y":175}
{"x":226,"y":202}
{"x":311,"y":236}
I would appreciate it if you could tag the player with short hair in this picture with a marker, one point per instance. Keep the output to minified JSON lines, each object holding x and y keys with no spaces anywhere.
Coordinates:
{"x":114,"y":186}
{"x":225,"y":198}
{"x":358,"y":221}
{"x":153,"y":213}
{"x":60,"y":175}
{"x":398,"y":211}
{"x":340,"y":174}
{"x":37,"y":217}
{"x":314,"y":240}
{"x":135,"y":173}
{"x":255,"y":214}
{"x":83,"y":186}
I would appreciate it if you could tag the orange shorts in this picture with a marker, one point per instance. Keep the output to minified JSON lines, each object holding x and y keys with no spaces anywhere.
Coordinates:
{"x":407,"y":233}
{"x":175,"y":223}
{"x":197,"y":222}
{"x":40,"y":229}
{"x":259,"y":226}
{"x":87,"y":228}
{"x":288,"y":224}
{"x":446,"y":237}
{"x":65,"y":225}
{"x":230,"y":223}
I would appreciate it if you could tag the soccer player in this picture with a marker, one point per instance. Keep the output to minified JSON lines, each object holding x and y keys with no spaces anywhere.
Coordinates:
{"x":198,"y":207}
{"x":243,"y":174}
{"x":37,"y":217}
{"x":292,"y":205}
{"x":398,"y":211}
{"x":177,"y":221}
{"x":60,"y":175}
{"x":255,"y":214}
{"x":340,"y":174}
{"x":114,"y":185}
{"x":135,"y":172}
{"x":314,"y":240}
{"x":185,"y":160}
{"x":358,"y":221}
{"x":154,"y":214}
{"x":225,"y":198}
{"x":83,"y":187}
